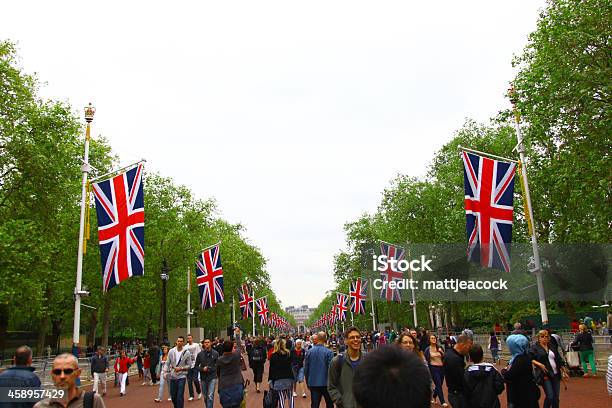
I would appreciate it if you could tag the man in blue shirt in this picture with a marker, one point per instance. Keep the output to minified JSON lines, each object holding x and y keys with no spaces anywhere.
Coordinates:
{"x":20,"y":375}
{"x":316,"y":366}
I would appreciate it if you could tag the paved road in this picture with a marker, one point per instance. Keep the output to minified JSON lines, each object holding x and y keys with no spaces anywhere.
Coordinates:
{"x":581,"y":393}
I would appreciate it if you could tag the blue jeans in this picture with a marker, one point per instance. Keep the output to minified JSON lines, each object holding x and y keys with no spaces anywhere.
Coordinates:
{"x":552,"y":389}
{"x":192,"y":380}
{"x":177,"y":392}
{"x":208,"y":389}
{"x":437,"y":375}
{"x":495,"y":354}
{"x":162,"y":384}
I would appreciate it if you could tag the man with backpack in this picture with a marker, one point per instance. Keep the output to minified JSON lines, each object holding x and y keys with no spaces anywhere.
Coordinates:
{"x":483,"y":383}
{"x":342,"y":370}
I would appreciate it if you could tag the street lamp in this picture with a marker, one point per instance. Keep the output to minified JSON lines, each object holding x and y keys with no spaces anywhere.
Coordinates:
{"x":163,"y":327}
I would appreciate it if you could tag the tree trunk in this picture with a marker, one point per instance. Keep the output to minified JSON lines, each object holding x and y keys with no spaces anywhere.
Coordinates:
{"x":42,"y":334}
{"x":4,"y":320}
{"x":106,"y":319}
{"x":56,"y":330}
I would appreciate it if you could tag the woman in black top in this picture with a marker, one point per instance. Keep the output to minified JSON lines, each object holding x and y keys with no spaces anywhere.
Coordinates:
{"x":257,"y":359}
{"x":522,"y":389}
{"x":548,"y":360}
{"x":297,"y":366}
{"x":584,"y":343}
{"x":280,"y":376}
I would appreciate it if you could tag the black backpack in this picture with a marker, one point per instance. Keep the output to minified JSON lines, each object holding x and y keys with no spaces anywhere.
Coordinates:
{"x":88,"y":399}
{"x":257,"y":355}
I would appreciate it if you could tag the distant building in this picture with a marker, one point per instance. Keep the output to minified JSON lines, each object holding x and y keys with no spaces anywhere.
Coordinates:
{"x":300,"y":314}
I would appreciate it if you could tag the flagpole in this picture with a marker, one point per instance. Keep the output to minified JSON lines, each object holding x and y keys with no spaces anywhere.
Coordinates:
{"x":352,"y":323}
{"x":537,"y":268}
{"x":85,"y":168}
{"x":188,"y":301}
{"x":414,"y":308}
{"x":233,"y":312}
{"x":253,"y":312}
{"x":373,"y":314}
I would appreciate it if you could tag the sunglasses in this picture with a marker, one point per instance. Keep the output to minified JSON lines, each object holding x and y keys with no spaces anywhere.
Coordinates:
{"x":67,"y":371}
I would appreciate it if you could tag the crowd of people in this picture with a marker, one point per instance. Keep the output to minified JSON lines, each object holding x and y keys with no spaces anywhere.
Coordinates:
{"x":354,"y":369}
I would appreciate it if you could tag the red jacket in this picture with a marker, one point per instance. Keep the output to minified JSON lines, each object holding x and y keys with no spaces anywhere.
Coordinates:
{"x":121,"y":364}
{"x":146,"y":362}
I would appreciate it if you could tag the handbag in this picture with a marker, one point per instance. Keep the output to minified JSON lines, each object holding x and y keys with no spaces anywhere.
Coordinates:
{"x":270,"y":399}
{"x":538,"y":375}
{"x":573,"y":359}
{"x":243,"y":365}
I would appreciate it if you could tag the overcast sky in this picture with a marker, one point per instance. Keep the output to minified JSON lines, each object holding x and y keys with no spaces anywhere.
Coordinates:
{"x":294,"y":116}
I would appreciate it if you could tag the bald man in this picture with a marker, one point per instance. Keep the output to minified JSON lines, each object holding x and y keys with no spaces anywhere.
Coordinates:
{"x":316,"y":366}
{"x":20,"y":375}
{"x":64,"y":373}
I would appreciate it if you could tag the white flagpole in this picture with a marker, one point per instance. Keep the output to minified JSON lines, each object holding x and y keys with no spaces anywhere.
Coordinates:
{"x":253,"y":312}
{"x":537,"y":267}
{"x":233,"y":312}
{"x":188,"y":301}
{"x":352,"y":323}
{"x":85,"y":168}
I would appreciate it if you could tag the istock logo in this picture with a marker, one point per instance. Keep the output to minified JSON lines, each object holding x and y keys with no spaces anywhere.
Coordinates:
{"x":382,"y":262}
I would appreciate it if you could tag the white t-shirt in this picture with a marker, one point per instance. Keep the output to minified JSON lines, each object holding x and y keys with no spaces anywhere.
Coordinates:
{"x":551,"y":360}
{"x":194,"y":350}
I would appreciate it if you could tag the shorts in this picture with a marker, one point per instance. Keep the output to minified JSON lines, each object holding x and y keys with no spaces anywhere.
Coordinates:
{"x":299,"y":374}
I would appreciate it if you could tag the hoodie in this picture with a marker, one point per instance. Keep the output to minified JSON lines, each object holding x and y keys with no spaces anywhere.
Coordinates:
{"x":228,"y":367}
{"x":483,"y":383}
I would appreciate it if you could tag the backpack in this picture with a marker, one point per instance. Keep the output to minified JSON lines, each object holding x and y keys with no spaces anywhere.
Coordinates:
{"x":484,"y":394}
{"x":88,"y":399}
{"x":257,"y":355}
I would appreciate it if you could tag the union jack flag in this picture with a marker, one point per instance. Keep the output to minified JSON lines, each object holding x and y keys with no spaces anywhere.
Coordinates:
{"x":390,"y":275}
{"x":120,"y":211}
{"x":246,"y":301}
{"x":358,"y":296}
{"x":209,"y":275}
{"x":489,"y":190}
{"x":262,"y":310}
{"x":341,"y":306}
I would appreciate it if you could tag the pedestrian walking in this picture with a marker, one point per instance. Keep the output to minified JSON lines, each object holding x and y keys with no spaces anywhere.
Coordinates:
{"x":342,"y":370}
{"x":551,"y":368}
{"x":64,"y":374}
{"x":280,"y":375}
{"x":483,"y":383}
{"x":583,"y":342}
{"x":122,"y":364}
{"x":206,"y":365}
{"x":193,"y":375}
{"x":163,"y":380}
{"x":20,"y":375}
{"x":231,"y":384}
{"x":99,"y":369}
{"x":391,"y":377}
{"x":177,"y":367}
{"x":522,"y":390}
{"x":434,"y":355}
{"x":146,"y":368}
{"x":154,"y":352}
{"x":139,"y":363}
{"x":493,"y":346}
{"x":454,"y":367}
{"x":257,"y":359}
{"x":297,"y":365}
{"x":316,"y":368}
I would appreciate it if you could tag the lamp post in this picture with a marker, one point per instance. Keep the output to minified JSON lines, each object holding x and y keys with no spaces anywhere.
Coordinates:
{"x":78,"y":291}
{"x":163,"y":327}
